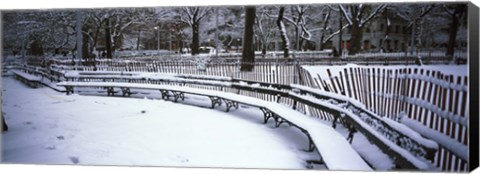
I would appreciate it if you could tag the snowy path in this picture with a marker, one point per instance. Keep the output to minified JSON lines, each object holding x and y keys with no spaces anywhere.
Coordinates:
{"x":47,"y":127}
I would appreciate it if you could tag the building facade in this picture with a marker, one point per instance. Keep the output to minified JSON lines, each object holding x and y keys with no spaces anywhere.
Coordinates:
{"x":382,"y":34}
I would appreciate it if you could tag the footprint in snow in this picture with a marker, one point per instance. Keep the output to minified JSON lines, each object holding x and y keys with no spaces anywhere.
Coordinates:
{"x":103,"y":103}
{"x":51,"y":147}
{"x":74,"y":159}
{"x":182,"y":159}
{"x":60,"y":137}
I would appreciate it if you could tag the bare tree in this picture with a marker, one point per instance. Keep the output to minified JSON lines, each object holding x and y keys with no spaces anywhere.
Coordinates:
{"x":45,"y":30}
{"x":248,"y":54}
{"x":265,"y":29}
{"x":415,"y":14}
{"x":357,"y":16}
{"x":297,"y":19}
{"x":283,"y":33}
{"x":456,"y":12}
{"x":230,"y":27}
{"x":193,"y":16}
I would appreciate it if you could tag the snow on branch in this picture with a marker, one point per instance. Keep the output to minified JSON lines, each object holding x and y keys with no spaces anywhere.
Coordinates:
{"x":346,"y":14}
{"x":373,"y":14}
{"x":336,"y":32}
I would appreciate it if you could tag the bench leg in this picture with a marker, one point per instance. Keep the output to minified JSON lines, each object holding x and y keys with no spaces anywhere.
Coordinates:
{"x":215,"y":101}
{"x":126,"y":91}
{"x":110,"y":91}
{"x":69,"y":89}
{"x":266,"y":115}
{"x":279,"y":121}
{"x":178,"y":95}
{"x":310,"y":162}
{"x":164,"y":94}
{"x":230,"y":104}
{"x":311,"y":145}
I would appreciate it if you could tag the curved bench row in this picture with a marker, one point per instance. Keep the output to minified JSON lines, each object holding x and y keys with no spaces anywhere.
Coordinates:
{"x":401,"y":144}
{"x":325,"y":139}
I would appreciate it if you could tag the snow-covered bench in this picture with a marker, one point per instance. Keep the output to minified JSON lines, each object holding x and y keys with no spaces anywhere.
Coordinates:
{"x":409,"y":149}
{"x":29,"y":79}
{"x":396,"y":140}
{"x":335,"y":152}
{"x":106,"y":76}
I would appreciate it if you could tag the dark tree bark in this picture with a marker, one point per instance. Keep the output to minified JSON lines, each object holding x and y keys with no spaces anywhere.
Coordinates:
{"x":283,"y":33}
{"x":248,"y":54}
{"x":36,"y":48}
{"x":4,"y":124}
{"x":264,"y":49}
{"x":108,"y":40}
{"x":340,"y":36}
{"x":458,"y":11}
{"x":356,"y":39}
{"x":85,"y":45}
{"x":195,"y":38}
{"x":357,"y":17}
{"x":138,"y":39}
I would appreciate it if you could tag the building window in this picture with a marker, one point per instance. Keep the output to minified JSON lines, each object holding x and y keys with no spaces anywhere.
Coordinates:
{"x":381,"y":27}
{"x":395,"y":43}
{"x":397,"y":29}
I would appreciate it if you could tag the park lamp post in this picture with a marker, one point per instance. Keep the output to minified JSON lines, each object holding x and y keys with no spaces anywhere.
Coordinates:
{"x":158,"y":36}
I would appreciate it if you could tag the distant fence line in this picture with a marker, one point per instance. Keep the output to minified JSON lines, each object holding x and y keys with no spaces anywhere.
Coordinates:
{"x":316,"y":57}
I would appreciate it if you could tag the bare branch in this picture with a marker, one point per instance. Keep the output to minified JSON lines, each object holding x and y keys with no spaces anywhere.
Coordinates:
{"x":373,"y":14}
{"x":347,"y":15}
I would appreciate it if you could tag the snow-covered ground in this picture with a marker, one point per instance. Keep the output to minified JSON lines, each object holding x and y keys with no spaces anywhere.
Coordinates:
{"x":47,"y":127}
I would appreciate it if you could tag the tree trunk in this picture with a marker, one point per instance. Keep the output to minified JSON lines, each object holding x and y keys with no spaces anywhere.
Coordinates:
{"x":108,"y":39}
{"x":195,"y":38}
{"x":356,"y":39}
{"x":459,"y":10}
{"x":340,"y":36}
{"x":452,"y":36}
{"x":138,"y":39}
{"x":86,"y":53}
{"x":321,"y":46}
{"x":264,"y":49}
{"x":248,"y":54}
{"x":180,"y":45}
{"x":283,"y":33}
{"x":4,"y":124}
